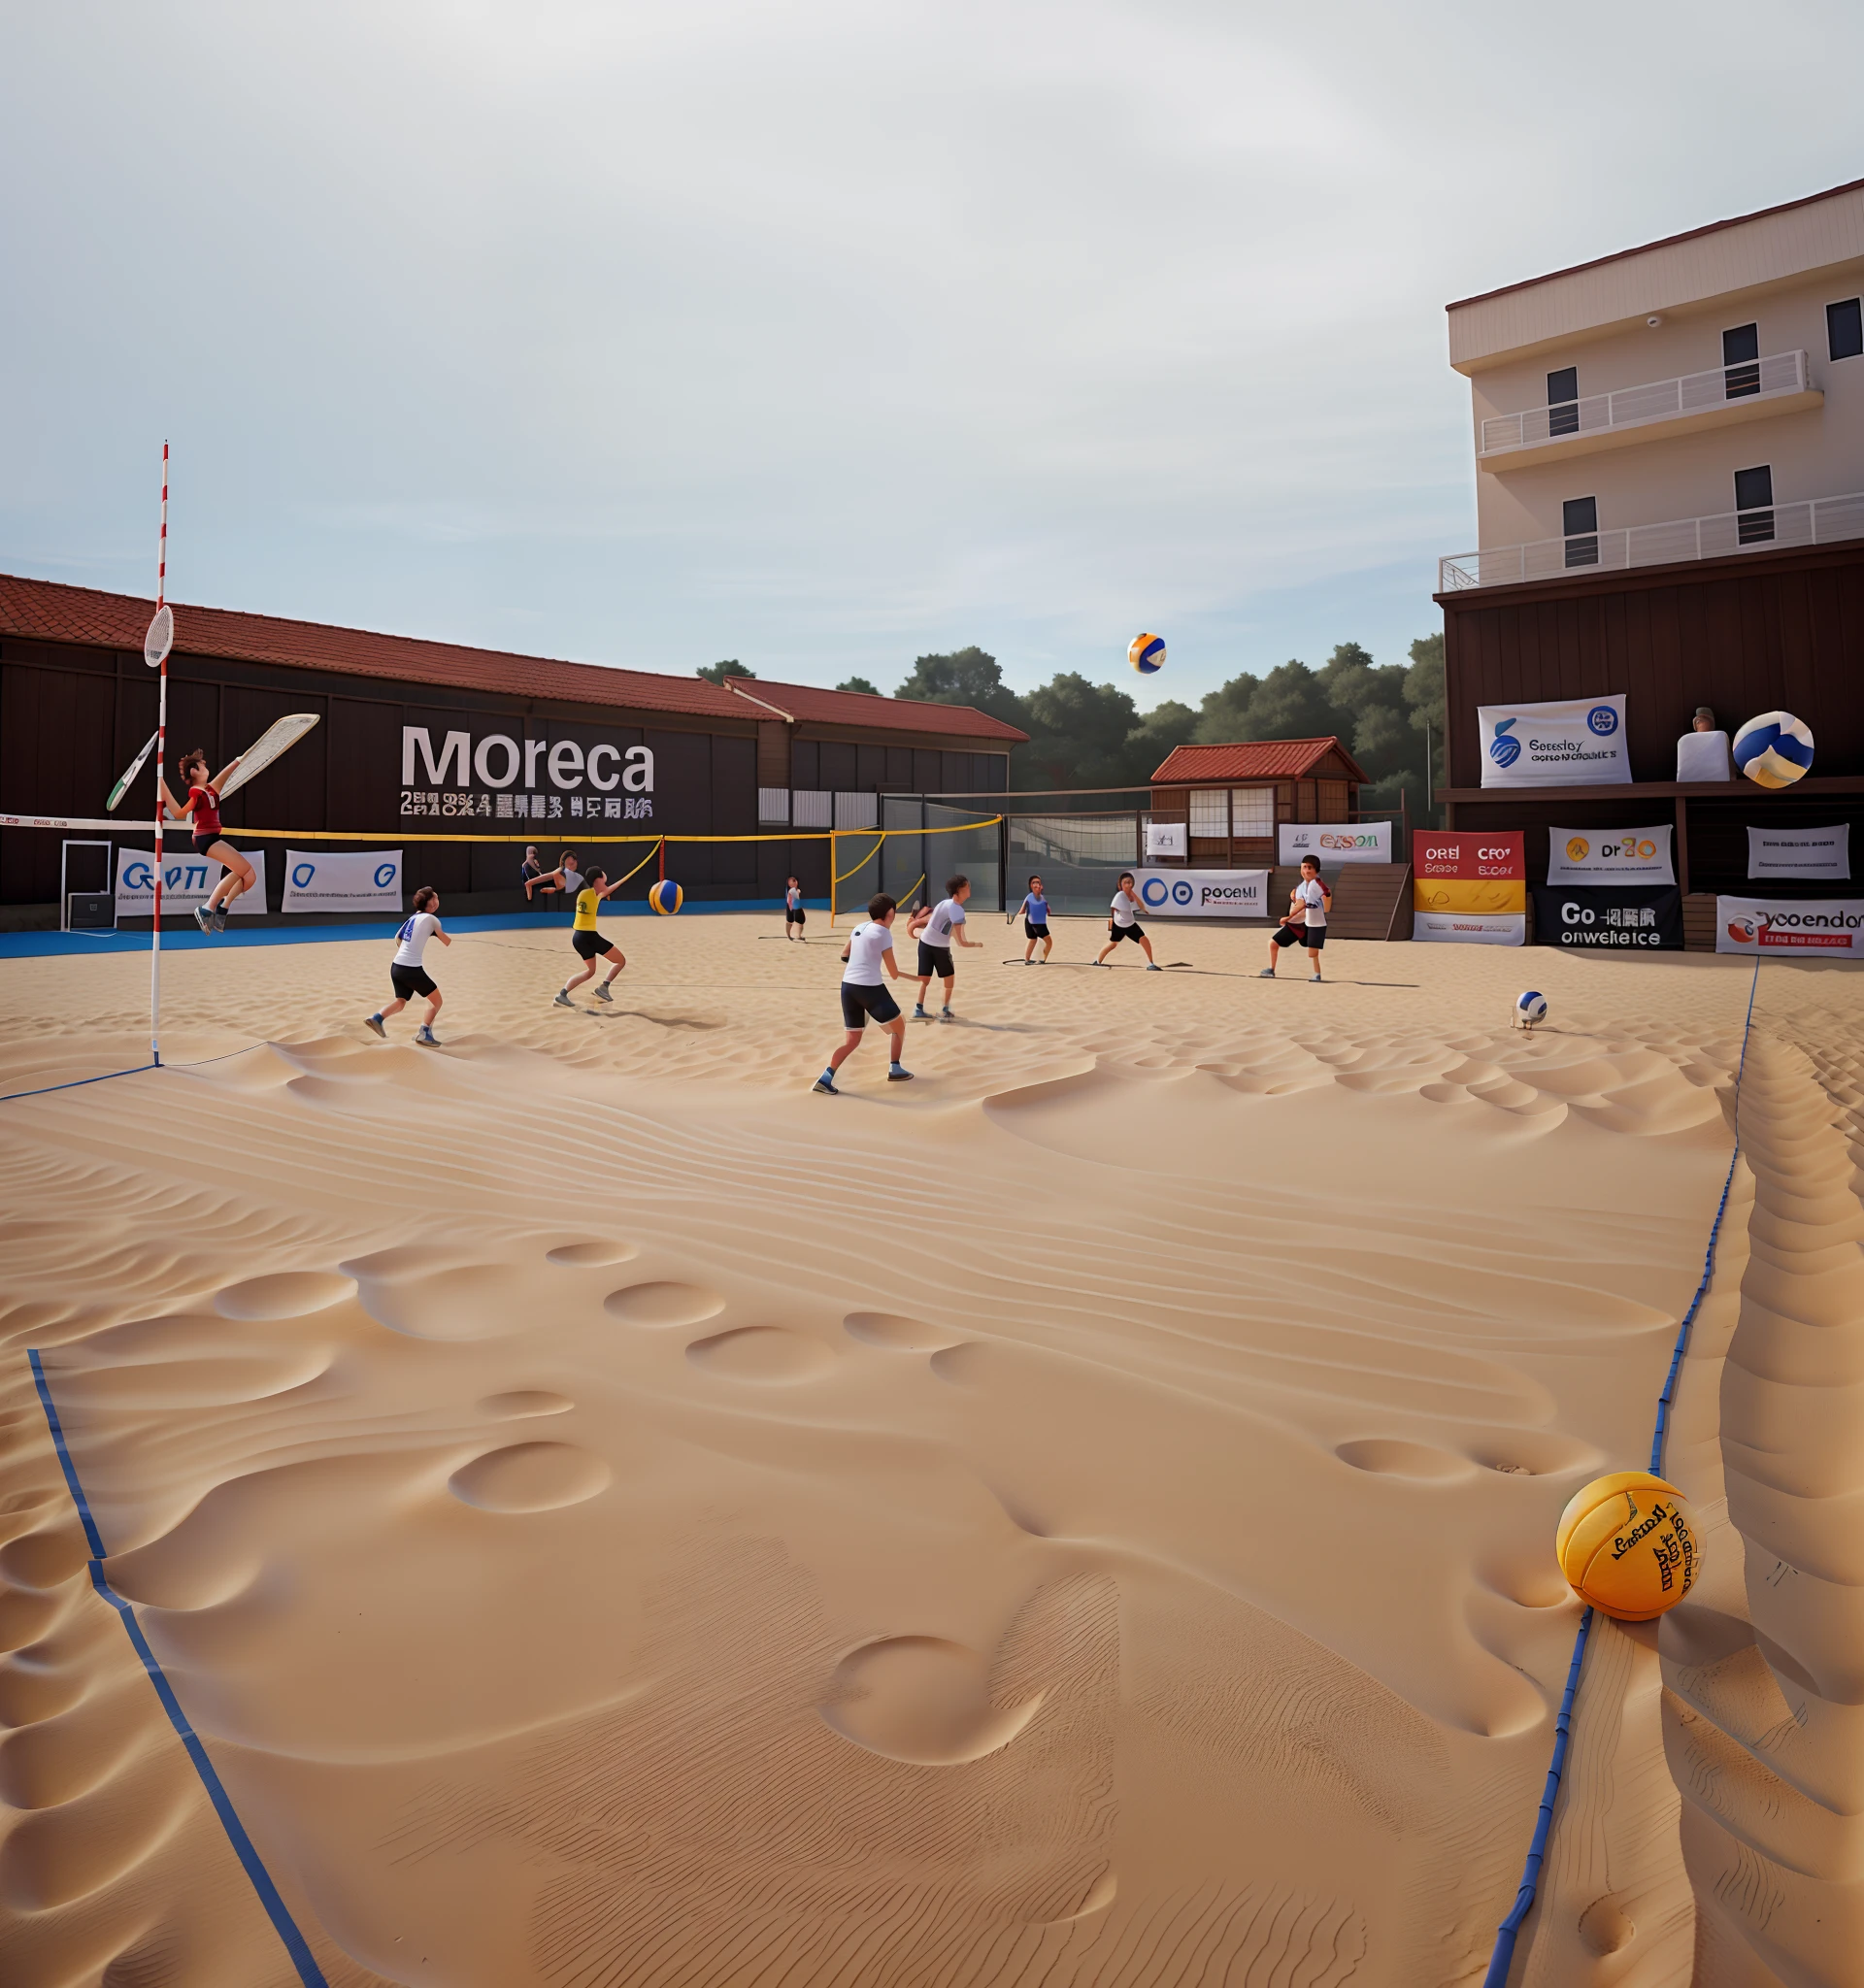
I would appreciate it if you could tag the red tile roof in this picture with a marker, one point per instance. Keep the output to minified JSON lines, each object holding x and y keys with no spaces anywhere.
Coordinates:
{"x":48,"y":610}
{"x":811,"y":705}
{"x":1265,"y":759}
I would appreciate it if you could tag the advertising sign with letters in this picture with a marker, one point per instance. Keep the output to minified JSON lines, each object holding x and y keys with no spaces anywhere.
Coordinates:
{"x":1205,"y":893}
{"x":352,"y":880}
{"x":187,"y":881}
{"x":1579,"y":741}
{"x":1611,"y":918}
{"x":497,"y":776}
{"x":1337,"y":842}
{"x":1788,"y":928}
{"x":1812,"y":852}
{"x":1469,"y":886}
{"x":1609,"y":855}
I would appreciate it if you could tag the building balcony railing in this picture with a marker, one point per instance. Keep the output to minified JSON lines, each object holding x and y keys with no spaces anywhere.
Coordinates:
{"x":1602,"y":420}
{"x":1818,"y":522}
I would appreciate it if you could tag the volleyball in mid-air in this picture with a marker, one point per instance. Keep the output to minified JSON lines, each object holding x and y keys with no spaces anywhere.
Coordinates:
{"x":666,"y":897}
{"x":1146,"y":654}
{"x":1530,"y":1008}
{"x":1774,"y":749}
{"x":1628,"y":1545}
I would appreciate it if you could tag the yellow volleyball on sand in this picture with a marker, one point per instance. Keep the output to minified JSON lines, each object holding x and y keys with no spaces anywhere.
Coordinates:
{"x":1628,"y":1545}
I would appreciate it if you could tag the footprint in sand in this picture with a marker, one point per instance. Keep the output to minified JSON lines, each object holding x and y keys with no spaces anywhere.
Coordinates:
{"x":664,"y":1305}
{"x":286,"y":1294}
{"x":897,"y":1332}
{"x":592,"y":1255}
{"x":1391,"y":1456}
{"x":763,"y":1353}
{"x":922,"y":1699}
{"x":529,"y":1476}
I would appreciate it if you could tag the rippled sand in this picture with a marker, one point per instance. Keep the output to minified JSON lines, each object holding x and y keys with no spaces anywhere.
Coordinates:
{"x":1083,"y":1518}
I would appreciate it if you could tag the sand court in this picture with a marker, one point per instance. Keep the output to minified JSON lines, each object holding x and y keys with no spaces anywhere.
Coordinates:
{"x":1084,"y":1516}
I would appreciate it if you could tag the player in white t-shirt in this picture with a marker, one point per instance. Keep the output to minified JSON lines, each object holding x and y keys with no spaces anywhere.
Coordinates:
{"x":406,"y":972}
{"x":1306,"y":921}
{"x":1122,"y":923}
{"x":868,"y":955}
{"x":938,"y":931}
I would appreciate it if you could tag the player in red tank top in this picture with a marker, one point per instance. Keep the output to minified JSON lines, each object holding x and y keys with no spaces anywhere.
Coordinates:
{"x":204,"y":803}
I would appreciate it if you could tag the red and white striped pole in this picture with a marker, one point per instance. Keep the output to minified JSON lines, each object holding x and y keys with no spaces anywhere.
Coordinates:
{"x":161,"y":773}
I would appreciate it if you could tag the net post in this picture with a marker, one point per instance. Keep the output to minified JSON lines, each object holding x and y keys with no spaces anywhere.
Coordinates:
{"x":833,"y":861}
{"x":161,"y":763}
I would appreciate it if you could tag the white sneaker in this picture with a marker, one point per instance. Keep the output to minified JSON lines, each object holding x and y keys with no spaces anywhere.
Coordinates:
{"x":1313,"y":977}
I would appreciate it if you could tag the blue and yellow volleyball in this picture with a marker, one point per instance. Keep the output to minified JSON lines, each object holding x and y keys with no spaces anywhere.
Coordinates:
{"x":1774,"y":749}
{"x":666,"y":897}
{"x":1146,"y":654}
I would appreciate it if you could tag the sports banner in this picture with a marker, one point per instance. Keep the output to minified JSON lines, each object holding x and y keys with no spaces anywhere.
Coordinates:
{"x":1805,"y":928}
{"x":1810,"y":852}
{"x":1166,"y":838}
{"x":187,"y":881}
{"x":1468,"y":886}
{"x":1576,"y":742}
{"x":1608,"y":917}
{"x":1609,"y":855}
{"x":324,"y":880}
{"x":1205,"y":893}
{"x":1337,"y":842}
{"x":1470,"y":928}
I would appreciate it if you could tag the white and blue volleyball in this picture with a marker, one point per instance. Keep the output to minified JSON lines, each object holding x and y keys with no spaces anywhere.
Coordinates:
{"x":1774,"y":749}
{"x":1530,"y":1008}
{"x":1146,"y":654}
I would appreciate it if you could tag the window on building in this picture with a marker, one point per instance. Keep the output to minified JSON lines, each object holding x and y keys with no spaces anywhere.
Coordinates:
{"x":1740,"y":361}
{"x":1755,"y":505}
{"x":1563,"y":401}
{"x":1253,"y":811}
{"x":1580,"y":526}
{"x":1210,"y":812}
{"x":1845,"y":328}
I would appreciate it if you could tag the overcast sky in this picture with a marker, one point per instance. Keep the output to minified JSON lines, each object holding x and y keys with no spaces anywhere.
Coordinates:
{"x":825,"y":333}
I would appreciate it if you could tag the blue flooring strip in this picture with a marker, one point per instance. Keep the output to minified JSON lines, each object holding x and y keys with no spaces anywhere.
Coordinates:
{"x":1502,"y":1959}
{"x":309,"y":1973}
{"x":76,"y":1082}
{"x":183,"y":936}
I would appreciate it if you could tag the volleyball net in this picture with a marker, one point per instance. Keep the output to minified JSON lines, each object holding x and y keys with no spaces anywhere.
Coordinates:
{"x":105,"y":864}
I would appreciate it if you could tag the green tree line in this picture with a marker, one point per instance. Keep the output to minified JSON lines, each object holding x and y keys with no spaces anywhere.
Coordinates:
{"x":1093,"y":735}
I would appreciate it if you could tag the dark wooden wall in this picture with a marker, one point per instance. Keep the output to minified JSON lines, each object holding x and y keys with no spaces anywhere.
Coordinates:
{"x":1762,"y":632}
{"x":73,"y":717}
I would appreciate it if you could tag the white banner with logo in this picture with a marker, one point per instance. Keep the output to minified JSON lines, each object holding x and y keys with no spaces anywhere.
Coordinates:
{"x":187,"y":881}
{"x":1363,"y":842}
{"x":1576,"y":742}
{"x":1205,"y":893}
{"x":1470,"y":928}
{"x":1166,"y":838}
{"x":1812,"y":852}
{"x":1609,"y":855}
{"x":1792,"y":928}
{"x":326,"y":880}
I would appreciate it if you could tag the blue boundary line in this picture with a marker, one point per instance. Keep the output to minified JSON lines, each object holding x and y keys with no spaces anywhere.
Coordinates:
{"x":1502,"y":1959}
{"x":77,"y":1082}
{"x":309,"y":1973}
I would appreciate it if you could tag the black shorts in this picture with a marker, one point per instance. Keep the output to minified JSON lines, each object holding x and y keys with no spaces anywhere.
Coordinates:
{"x":858,"y":1003}
{"x":411,"y":981}
{"x":591,"y":944}
{"x":204,"y":843}
{"x":1035,"y":931}
{"x":798,"y":916}
{"x":1301,"y":935}
{"x":936,"y":959}
{"x":1118,"y":932}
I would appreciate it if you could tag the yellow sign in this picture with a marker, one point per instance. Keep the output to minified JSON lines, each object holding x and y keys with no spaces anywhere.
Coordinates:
{"x":1469,"y":895}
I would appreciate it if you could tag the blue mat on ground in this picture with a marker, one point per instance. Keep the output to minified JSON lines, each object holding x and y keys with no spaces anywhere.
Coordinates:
{"x":183,"y":937}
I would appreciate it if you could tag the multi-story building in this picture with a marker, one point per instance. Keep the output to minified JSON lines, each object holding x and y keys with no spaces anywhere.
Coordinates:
{"x":1669,"y":448}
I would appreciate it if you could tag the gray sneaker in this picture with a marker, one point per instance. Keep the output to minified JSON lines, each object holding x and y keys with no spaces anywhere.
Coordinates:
{"x":220,"y":919}
{"x":826,"y":1088}
{"x":1266,"y":974}
{"x":946,"y":1014}
{"x":563,"y":998}
{"x":425,"y":1038}
{"x":894,"y":1077}
{"x":602,"y":993}
{"x":203,"y":918}
{"x":374,"y":1021}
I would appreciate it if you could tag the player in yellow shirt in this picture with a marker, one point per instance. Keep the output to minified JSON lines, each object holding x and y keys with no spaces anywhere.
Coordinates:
{"x":590,"y":942}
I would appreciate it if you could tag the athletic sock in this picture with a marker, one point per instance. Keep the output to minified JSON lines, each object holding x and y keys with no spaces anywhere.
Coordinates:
{"x":827,"y":1076}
